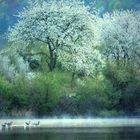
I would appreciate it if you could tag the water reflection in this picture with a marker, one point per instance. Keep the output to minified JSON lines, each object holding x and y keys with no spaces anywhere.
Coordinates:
{"x":123,"y":133}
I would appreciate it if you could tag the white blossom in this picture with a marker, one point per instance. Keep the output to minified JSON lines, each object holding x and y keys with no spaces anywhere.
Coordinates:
{"x":67,"y":27}
{"x":120,"y":34}
{"x":12,"y":64}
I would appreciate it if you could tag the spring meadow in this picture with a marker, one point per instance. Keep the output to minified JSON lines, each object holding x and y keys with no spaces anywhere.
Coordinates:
{"x":70,"y":69}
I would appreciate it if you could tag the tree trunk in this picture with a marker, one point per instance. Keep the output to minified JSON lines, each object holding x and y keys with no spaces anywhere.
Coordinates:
{"x":52,"y":57}
{"x":52,"y":62}
{"x":72,"y":79}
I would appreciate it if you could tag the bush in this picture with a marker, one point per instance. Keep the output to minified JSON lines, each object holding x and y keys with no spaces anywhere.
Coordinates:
{"x":96,"y":96}
{"x":126,"y":81}
{"x":5,"y":91}
{"x":46,"y":90}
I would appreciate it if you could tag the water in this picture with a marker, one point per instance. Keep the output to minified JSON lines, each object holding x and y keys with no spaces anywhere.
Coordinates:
{"x":74,"y":129}
{"x":125,"y":133}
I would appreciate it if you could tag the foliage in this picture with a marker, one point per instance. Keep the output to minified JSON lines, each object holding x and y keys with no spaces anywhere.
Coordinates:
{"x":113,"y":93}
{"x":5,"y":88}
{"x":102,"y":55}
{"x":13,"y":64}
{"x":125,"y":80}
{"x":120,"y":35}
{"x":39,"y":95}
{"x":65,"y":27}
{"x":45,"y":92}
{"x":84,"y":61}
{"x":96,"y":96}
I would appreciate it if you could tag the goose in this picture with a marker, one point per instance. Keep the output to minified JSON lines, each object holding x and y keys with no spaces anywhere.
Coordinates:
{"x":27,"y":124}
{"x":36,"y":124}
{"x":3,"y":125}
{"x":9,"y":124}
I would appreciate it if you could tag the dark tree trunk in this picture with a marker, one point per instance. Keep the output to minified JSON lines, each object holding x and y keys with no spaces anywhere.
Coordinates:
{"x":52,"y":61}
{"x":72,"y":79}
{"x":52,"y":57}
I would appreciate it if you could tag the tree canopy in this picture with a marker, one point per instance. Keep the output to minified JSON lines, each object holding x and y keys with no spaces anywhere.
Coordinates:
{"x":120,"y":35}
{"x":63,"y":26}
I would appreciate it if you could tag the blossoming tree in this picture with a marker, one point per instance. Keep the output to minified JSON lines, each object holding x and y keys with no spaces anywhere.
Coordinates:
{"x":120,"y":35}
{"x":64,"y":26}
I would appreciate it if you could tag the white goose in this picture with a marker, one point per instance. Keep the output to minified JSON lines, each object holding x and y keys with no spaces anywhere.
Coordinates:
{"x":36,"y":124}
{"x":3,"y":125}
{"x":27,"y":124}
{"x":9,"y":124}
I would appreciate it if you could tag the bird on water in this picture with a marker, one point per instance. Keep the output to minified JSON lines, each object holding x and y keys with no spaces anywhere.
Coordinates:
{"x":36,"y":124}
{"x":3,"y":125}
{"x":9,"y":124}
{"x":27,"y":124}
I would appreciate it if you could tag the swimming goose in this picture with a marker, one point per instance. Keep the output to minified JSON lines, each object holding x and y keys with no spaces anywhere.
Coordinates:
{"x":36,"y":124}
{"x":9,"y":124}
{"x":3,"y":125}
{"x":27,"y":124}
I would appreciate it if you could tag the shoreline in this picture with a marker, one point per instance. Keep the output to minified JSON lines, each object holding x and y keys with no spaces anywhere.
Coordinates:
{"x":76,"y":123}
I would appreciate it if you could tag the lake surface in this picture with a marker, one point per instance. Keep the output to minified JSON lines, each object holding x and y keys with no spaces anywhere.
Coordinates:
{"x":123,"y":133}
{"x":72,"y":129}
